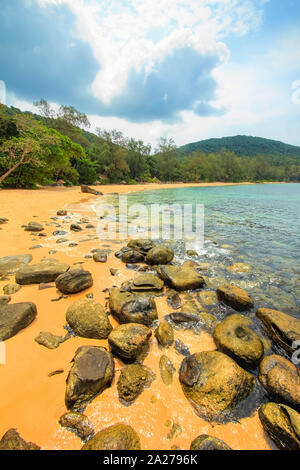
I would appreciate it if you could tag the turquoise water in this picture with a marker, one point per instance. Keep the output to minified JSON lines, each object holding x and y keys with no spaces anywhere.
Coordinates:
{"x":261,"y":223}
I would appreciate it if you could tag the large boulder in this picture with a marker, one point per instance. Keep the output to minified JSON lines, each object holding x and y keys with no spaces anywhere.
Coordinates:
{"x":13,"y":441}
{"x":282,"y":423}
{"x":77,"y":423}
{"x":141,"y":245}
{"x":47,"y":270}
{"x":160,"y":254}
{"x":147,"y":282}
{"x":205,"y":442}
{"x":127,"y":307}
{"x":281,"y":379}
{"x":283,"y":329}
{"x":11,"y":264}
{"x":129,"y":341}
{"x":164,"y":334}
{"x":74,"y":281}
{"x":233,"y":337}
{"x":88,"y":319}
{"x":91,"y":373}
{"x":117,"y":437}
{"x":214,"y":383}
{"x":15,"y":317}
{"x":235,"y":297}
{"x":181,"y":277}
{"x":132,"y":381}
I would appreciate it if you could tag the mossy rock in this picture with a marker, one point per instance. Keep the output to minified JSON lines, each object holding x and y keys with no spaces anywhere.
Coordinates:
{"x":205,"y":442}
{"x":235,"y":297}
{"x":160,"y":254}
{"x":88,"y":319}
{"x":117,"y":437}
{"x":164,"y":334}
{"x":181,"y":278}
{"x":130,"y":341}
{"x":132,"y":381}
{"x":283,"y":329}
{"x":282,"y":424}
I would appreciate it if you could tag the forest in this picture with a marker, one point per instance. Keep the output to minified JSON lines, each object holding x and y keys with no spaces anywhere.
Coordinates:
{"x":55,"y":147}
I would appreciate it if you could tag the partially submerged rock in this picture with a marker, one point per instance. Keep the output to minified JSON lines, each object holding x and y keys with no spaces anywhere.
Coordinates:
{"x":283,"y":329}
{"x":47,"y":270}
{"x":160,"y":254}
{"x":282,"y":423}
{"x":205,"y":442}
{"x":116,"y":437}
{"x":11,"y":264}
{"x":181,"y":277}
{"x":281,"y":379}
{"x":91,"y":373}
{"x":164,"y":334}
{"x":49,"y":340}
{"x":167,"y":370}
{"x":235,"y":297}
{"x":128,"y":307}
{"x":74,"y":281}
{"x":233,"y":337}
{"x":15,"y":317}
{"x":214,"y":383}
{"x":77,"y":423}
{"x":88,"y":319}
{"x":12,"y":440}
{"x":132,"y":381}
{"x":129,"y":341}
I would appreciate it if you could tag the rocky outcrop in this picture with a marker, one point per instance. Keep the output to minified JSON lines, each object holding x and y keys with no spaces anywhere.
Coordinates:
{"x":160,"y":254}
{"x":181,"y":277}
{"x":147,"y":282}
{"x":281,"y":379}
{"x":117,"y":437}
{"x":132,"y":381}
{"x":214,"y":383}
{"x":129,"y":342}
{"x":11,"y":264}
{"x":87,"y":190}
{"x":235,"y":297}
{"x":283,"y":329}
{"x":205,"y":442}
{"x":233,"y":337}
{"x":13,"y":441}
{"x":74,"y":281}
{"x":282,"y":423}
{"x":49,"y":340}
{"x":127,"y":307}
{"x":167,"y":370}
{"x":164,"y":334}
{"x":77,"y":423}
{"x":15,"y":317}
{"x":88,"y":319}
{"x":47,"y":270}
{"x":91,"y":373}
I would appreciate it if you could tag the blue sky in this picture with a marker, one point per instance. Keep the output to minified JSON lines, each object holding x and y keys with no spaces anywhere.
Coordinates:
{"x":184,"y":69}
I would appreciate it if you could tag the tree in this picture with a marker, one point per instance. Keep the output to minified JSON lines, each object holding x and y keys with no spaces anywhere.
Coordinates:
{"x":112,"y":157}
{"x":72,"y":116}
{"x":167,"y":155}
{"x":137,"y":155}
{"x":45,"y":108}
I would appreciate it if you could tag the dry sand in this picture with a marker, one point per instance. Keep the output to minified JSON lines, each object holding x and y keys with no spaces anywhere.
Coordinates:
{"x":32,"y":402}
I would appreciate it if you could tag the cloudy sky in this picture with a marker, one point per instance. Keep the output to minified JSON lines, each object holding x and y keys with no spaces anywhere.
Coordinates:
{"x":186,"y":69}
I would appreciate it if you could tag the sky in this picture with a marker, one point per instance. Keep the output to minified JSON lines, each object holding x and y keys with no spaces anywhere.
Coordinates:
{"x":183,"y":69}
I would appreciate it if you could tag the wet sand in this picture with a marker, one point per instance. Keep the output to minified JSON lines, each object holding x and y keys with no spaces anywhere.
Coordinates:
{"x":32,"y":402}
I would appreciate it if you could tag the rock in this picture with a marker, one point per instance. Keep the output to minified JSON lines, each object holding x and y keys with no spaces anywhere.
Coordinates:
{"x":239,"y":268}
{"x":11,"y":264}
{"x":214,"y":383}
{"x":147,"y":282}
{"x":205,"y":442}
{"x":181,"y":278}
{"x":282,"y":423}
{"x":88,"y":319}
{"x":141,"y":245}
{"x":117,"y":437}
{"x":235,"y":297}
{"x":114,"y":272}
{"x":49,"y":340}
{"x":132,"y":381}
{"x":281,"y":379}
{"x":62,"y":213}
{"x":47,"y":270}
{"x":283,"y":329}
{"x":100,"y":257}
{"x":88,"y":190}
{"x":34,"y":227}
{"x":127,"y":307}
{"x":77,"y":423}
{"x":183,"y":317}
{"x":3,"y":220}
{"x":91,"y":373}
{"x":120,"y":253}
{"x":4,"y":299}
{"x":181,"y":348}
{"x":167,"y":370}
{"x":15,"y":317}
{"x":207,"y":297}
{"x":11,"y":289}
{"x":192,"y":253}
{"x":74,"y":281}
{"x":75,"y":228}
{"x":164,"y":334}
{"x":233,"y":337}
{"x":129,"y":341}
{"x":160,"y":254}
{"x":13,"y":441}
{"x":174,"y":301}
{"x":132,"y":257}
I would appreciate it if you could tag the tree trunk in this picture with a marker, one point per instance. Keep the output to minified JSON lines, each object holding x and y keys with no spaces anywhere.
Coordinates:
{"x":2,"y":178}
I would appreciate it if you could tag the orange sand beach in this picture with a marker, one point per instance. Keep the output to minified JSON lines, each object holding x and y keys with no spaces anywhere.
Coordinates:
{"x":31,"y":401}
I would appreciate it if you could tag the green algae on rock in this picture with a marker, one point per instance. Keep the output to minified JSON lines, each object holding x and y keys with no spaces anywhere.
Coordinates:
{"x":132,"y":381}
